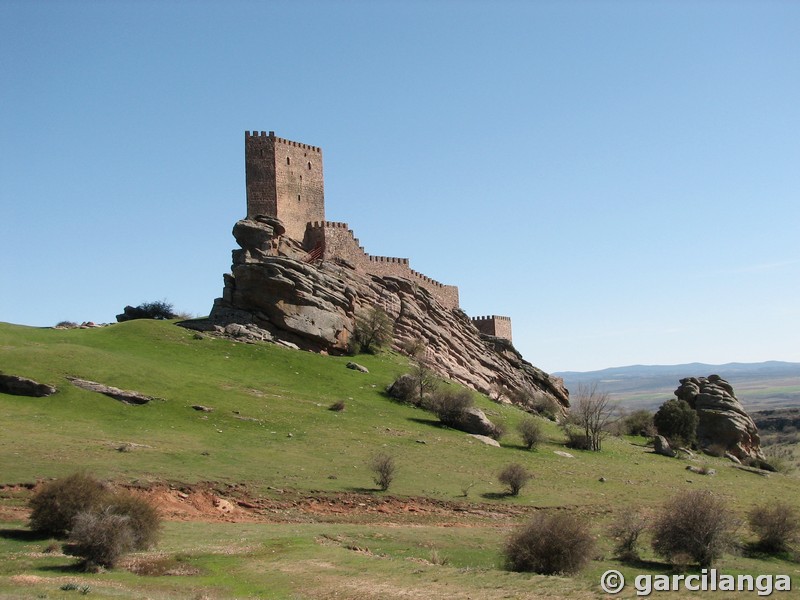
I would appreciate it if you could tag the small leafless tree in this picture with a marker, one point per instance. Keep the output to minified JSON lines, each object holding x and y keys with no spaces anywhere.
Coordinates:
{"x":383,"y":470}
{"x":373,"y":330}
{"x":626,"y":530}
{"x":592,"y":414}
{"x":515,"y":477}
{"x":424,"y":380}
{"x":531,"y":432}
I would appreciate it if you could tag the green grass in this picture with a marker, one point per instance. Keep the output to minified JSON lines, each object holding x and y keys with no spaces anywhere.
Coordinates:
{"x":263,"y":393}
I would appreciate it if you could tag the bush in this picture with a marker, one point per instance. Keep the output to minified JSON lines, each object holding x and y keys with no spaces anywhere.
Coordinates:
{"x":102,"y":525}
{"x":56,"y":504}
{"x":677,"y":421}
{"x":450,"y":405}
{"x":498,"y":431}
{"x":143,"y":518}
{"x":639,"y":422}
{"x":576,"y":438}
{"x":696,"y":524}
{"x":626,"y":530}
{"x":383,"y":470}
{"x":414,"y":347}
{"x":550,"y":543}
{"x":67,"y":324}
{"x":373,"y":331}
{"x":101,"y":538}
{"x":337,"y":406}
{"x":531,"y":432}
{"x":777,"y":526}
{"x":514,"y":477}
{"x":160,"y":309}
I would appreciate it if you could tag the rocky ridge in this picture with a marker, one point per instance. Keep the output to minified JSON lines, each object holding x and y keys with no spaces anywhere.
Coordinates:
{"x":275,"y":288}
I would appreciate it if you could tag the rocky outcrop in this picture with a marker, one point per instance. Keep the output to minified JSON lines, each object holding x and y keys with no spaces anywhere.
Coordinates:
{"x":724,"y":425}
{"x":275,"y":286}
{"x":124,"y":396}
{"x":22,"y":386}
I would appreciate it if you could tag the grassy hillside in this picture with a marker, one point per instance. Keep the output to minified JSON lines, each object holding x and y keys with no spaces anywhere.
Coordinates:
{"x":271,"y":432}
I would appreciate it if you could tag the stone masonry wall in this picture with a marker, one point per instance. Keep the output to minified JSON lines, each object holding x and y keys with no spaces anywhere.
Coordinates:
{"x":494,"y":325}
{"x":339,"y":241}
{"x":284,"y":180}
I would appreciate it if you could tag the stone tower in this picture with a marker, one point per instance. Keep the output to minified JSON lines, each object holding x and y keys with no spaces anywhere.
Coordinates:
{"x":284,"y":180}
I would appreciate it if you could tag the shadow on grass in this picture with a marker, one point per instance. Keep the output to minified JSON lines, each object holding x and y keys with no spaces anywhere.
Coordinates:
{"x":496,"y":495}
{"x":757,"y":551}
{"x":24,"y":535}
{"x":363,"y":490}
{"x":73,"y":567}
{"x":649,"y":565}
{"x":430,"y":422}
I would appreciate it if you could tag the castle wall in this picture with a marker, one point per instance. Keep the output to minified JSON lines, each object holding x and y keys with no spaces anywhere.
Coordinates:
{"x":494,"y":325}
{"x":339,"y":241}
{"x":284,"y":180}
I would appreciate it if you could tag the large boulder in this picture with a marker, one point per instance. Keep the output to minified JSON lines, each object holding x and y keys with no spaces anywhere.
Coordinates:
{"x":473,"y":420}
{"x":724,"y":426}
{"x":661,"y":446}
{"x":22,"y":386}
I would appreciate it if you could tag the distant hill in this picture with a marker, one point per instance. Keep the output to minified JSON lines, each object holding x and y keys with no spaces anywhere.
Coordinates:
{"x":759,"y":386}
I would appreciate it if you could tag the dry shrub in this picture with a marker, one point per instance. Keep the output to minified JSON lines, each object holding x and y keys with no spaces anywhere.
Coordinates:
{"x":450,"y":406}
{"x":639,"y":422}
{"x":777,"y":526}
{"x":696,"y":524}
{"x":56,"y":504}
{"x":414,"y":347}
{"x":101,"y":538}
{"x":576,"y":439}
{"x":498,"y":430}
{"x":143,"y":518}
{"x":531,"y":432}
{"x":550,"y":543}
{"x":383,"y":469}
{"x":626,"y":530}
{"x":514,"y":477}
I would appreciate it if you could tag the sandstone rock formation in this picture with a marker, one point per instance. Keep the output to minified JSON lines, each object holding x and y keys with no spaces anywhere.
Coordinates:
{"x":724,"y":424}
{"x":124,"y":396}
{"x":276,"y":286}
{"x":22,"y":386}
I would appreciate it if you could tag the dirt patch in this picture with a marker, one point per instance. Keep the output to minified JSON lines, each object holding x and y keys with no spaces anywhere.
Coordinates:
{"x":235,"y":503}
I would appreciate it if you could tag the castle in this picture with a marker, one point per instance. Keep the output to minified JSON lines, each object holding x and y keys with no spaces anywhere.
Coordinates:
{"x":284,"y":180}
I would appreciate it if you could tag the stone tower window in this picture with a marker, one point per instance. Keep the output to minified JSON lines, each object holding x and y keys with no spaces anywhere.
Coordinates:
{"x":309,"y":166}
{"x":288,"y":161}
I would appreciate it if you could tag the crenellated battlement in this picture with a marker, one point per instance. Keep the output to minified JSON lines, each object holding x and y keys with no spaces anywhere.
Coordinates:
{"x":387,"y":259}
{"x":272,"y":136}
{"x":494,"y":325}
{"x":491,"y":318}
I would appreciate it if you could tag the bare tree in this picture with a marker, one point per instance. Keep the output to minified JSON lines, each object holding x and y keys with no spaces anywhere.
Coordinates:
{"x":592,"y":414}
{"x":383,"y":470}
{"x":373,"y":330}
{"x":424,"y":380}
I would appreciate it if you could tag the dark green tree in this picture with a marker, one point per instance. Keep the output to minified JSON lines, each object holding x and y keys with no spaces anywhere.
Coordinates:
{"x":677,"y":421}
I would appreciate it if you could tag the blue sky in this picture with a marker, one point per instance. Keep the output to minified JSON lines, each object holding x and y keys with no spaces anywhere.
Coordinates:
{"x":621,"y":178}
